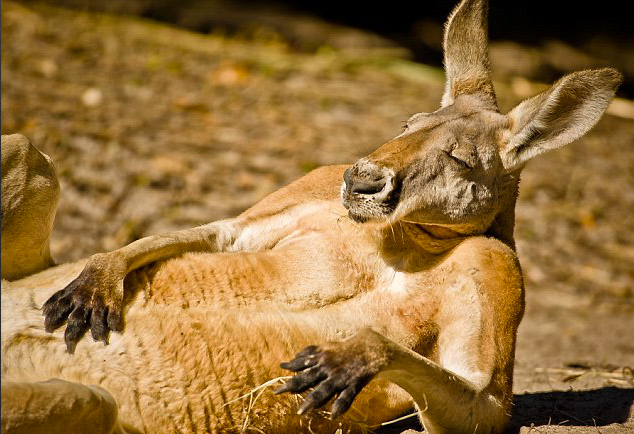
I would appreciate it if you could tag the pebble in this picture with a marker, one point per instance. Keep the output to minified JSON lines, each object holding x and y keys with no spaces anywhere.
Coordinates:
{"x":92,"y":97}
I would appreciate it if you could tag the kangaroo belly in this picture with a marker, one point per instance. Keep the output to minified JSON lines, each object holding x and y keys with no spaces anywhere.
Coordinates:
{"x":318,"y":265}
{"x":182,"y":367}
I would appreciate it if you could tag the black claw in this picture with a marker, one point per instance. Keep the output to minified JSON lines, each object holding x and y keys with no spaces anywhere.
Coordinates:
{"x":55,"y":299}
{"x":302,"y":382}
{"x":308,"y":351}
{"x":303,"y":360}
{"x":281,"y":390}
{"x":299,"y":364}
{"x":56,"y":314}
{"x":342,"y":403}
{"x":99,"y":323}
{"x":57,"y":308}
{"x":114,"y":319}
{"x":76,"y":327}
{"x":70,"y":347}
{"x":345,"y":398}
{"x":319,"y":396}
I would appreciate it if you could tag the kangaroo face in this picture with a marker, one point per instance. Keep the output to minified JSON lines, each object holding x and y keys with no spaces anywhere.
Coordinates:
{"x":445,"y":169}
{"x":452,"y":167}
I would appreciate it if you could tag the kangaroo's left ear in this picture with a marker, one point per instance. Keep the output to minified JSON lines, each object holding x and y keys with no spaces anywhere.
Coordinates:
{"x":466,"y":54}
{"x":558,"y":115}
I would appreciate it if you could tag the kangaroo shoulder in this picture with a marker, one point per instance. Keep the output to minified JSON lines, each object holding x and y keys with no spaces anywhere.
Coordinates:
{"x":495,"y":264}
{"x":323,"y":183}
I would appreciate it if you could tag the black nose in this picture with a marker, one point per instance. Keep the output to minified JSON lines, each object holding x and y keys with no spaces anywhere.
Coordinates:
{"x":363,"y":185}
{"x":368,"y":187}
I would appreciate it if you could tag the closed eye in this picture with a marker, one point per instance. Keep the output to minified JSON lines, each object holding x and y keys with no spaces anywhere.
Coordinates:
{"x":461,"y":162}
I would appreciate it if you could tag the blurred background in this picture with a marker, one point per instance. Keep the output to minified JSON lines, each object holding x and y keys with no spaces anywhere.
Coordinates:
{"x":162,"y":115}
{"x":540,"y":39}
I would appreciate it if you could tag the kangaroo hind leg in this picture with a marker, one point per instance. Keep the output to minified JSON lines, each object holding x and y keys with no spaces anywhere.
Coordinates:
{"x":58,"y":407}
{"x":30,"y":192}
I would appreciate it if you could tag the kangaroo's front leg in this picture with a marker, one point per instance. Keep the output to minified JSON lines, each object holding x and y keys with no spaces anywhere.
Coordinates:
{"x":95,"y":298}
{"x":447,"y":403}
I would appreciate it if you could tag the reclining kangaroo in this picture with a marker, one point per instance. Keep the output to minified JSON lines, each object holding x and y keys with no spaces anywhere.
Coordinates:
{"x":419,"y":288}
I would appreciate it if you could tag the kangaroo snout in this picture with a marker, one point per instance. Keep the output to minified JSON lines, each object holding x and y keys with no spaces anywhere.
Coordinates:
{"x":374,"y":183}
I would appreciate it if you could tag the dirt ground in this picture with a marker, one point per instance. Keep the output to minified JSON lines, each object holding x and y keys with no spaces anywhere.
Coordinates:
{"x":154,"y":128}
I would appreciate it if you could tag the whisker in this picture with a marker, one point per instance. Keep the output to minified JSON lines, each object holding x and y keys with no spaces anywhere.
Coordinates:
{"x":391,"y":228}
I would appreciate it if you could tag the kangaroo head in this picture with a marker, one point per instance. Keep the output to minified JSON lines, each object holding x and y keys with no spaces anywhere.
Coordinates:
{"x":454,"y":167}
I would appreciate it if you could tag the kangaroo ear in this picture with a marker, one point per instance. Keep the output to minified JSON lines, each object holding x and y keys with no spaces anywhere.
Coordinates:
{"x":466,"y":53}
{"x":558,"y":115}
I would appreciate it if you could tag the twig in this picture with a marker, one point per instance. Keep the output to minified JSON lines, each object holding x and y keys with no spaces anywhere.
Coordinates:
{"x":625,"y":376}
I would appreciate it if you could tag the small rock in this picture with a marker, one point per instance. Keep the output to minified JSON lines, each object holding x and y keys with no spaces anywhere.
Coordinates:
{"x":92,"y":97}
{"x":47,"y":67}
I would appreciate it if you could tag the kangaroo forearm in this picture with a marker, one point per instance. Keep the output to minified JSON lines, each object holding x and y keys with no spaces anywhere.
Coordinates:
{"x":416,"y":373}
{"x":242,"y":233}
{"x":212,"y":237}
{"x":452,"y":402}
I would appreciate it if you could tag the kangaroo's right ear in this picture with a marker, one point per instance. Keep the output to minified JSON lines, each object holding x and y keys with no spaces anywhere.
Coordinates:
{"x":558,"y":115}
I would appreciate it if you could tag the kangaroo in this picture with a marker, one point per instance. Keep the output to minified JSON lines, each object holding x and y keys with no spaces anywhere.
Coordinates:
{"x":414,"y":298}
{"x":30,"y":193}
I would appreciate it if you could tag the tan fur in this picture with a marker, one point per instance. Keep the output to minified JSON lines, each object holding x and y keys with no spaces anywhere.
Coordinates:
{"x":44,"y":407}
{"x":420,"y":287}
{"x":30,"y":192}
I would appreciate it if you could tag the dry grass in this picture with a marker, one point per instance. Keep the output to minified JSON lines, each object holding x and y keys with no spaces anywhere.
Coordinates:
{"x":623,"y":376}
{"x":254,"y":395}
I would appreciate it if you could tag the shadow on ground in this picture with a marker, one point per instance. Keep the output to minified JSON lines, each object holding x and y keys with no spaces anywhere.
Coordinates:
{"x":589,"y":408}
{"x":596,"y":407}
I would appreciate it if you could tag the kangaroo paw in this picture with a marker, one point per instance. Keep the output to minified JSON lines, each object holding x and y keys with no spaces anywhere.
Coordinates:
{"x":92,"y":301}
{"x":337,"y":370}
